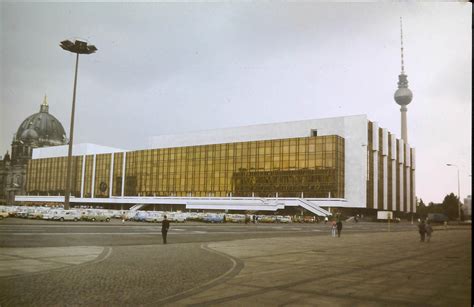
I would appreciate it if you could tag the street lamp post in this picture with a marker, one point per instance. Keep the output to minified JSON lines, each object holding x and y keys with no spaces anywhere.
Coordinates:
{"x":77,"y":47}
{"x":459,"y":193}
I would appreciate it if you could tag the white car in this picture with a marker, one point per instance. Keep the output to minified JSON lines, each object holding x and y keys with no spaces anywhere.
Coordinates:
{"x":68,"y":215}
{"x":283,"y":219}
{"x":51,"y":213}
{"x":176,"y":217}
{"x":235,"y":218}
{"x":154,"y":217}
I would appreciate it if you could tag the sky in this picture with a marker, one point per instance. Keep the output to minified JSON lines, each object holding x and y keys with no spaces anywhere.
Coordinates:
{"x":174,"y":67}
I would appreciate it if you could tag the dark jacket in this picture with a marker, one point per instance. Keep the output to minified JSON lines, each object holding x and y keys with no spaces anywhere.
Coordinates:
{"x":421,"y":228}
{"x":339,"y":225}
{"x":165,"y":225}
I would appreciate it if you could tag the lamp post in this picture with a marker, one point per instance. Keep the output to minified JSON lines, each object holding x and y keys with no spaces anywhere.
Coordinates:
{"x":77,"y":47}
{"x":459,"y":193}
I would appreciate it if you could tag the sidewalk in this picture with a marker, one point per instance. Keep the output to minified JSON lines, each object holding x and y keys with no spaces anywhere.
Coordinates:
{"x":388,"y":269}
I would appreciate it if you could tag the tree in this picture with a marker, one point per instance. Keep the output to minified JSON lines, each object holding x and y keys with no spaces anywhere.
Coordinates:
{"x":450,"y":206}
{"x":422,"y":209}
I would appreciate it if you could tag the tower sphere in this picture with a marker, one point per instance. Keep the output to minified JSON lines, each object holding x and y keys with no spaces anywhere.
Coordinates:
{"x":403,"y":96}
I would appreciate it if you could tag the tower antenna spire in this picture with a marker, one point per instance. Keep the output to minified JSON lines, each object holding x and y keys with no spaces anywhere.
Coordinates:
{"x":403,"y":94}
{"x":401,"y":45}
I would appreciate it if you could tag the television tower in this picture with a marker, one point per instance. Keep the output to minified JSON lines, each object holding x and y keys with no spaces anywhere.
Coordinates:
{"x":403,"y":95}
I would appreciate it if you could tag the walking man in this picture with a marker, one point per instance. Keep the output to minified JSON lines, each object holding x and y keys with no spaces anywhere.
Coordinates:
{"x":428,"y":230}
{"x":422,"y":230}
{"x":165,"y":225}
{"x":339,"y":227}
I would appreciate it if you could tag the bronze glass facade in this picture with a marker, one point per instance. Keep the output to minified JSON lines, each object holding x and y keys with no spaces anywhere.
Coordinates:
{"x":309,"y":166}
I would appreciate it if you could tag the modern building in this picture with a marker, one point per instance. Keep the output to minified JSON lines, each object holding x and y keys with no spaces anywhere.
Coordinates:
{"x":348,"y":163}
{"x":467,"y":206}
{"x":37,"y":131}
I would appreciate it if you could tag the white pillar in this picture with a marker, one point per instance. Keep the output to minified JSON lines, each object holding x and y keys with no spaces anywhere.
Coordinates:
{"x":93,"y":177}
{"x":111,"y":181}
{"x":124,"y":160}
{"x":83,"y":174}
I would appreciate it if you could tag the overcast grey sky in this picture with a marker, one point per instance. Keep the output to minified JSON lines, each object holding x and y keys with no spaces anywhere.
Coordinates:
{"x":167,"y":68}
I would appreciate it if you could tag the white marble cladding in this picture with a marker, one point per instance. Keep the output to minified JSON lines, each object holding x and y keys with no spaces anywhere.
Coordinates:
{"x":407,"y":156}
{"x":400,"y":151}
{"x":393,"y":150}
{"x":413,"y":199}
{"x":77,"y":150}
{"x":352,"y":128}
{"x":375,"y":136}
{"x":407,"y":190}
{"x":384,"y":142}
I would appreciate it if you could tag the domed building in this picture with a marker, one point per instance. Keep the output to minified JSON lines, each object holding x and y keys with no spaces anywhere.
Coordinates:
{"x":38,"y":130}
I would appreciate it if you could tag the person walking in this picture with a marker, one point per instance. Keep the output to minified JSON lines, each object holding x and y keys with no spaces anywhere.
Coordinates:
{"x":165,"y":225}
{"x":428,"y":230}
{"x":333,"y":228}
{"x":422,"y":230}
{"x":339,"y":228}
{"x":325,"y":219}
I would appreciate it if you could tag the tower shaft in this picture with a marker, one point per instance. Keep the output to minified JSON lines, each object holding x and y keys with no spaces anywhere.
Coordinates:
{"x":404,"y":129}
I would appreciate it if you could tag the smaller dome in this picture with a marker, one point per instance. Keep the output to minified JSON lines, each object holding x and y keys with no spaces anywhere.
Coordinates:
{"x":403,"y":96}
{"x":29,"y":135}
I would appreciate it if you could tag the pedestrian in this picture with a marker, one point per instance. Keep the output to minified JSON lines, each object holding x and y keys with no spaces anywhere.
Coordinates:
{"x":165,"y":225}
{"x":422,"y":230}
{"x":428,"y":230}
{"x":325,"y":219}
{"x":339,"y":228}
{"x":333,"y":228}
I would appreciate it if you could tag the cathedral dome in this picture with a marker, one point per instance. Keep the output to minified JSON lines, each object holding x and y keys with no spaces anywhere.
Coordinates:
{"x":42,"y":128}
{"x":29,"y":135}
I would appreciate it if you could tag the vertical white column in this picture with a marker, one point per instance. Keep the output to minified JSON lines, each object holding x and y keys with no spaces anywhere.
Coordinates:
{"x":93,"y":177}
{"x":83,"y":174}
{"x":413,"y":179}
{"x":123,"y":173}
{"x":375,"y":152}
{"x":407,"y":174}
{"x":400,"y":172}
{"x":385,"y":169}
{"x":394,"y":185}
{"x":393,"y":161}
{"x":111,"y":181}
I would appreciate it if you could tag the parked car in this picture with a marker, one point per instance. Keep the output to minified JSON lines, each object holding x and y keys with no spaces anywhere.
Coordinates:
{"x":51,"y":214}
{"x":3,"y":214}
{"x":68,"y":215}
{"x":235,"y":218}
{"x":140,"y":216}
{"x":176,"y":217}
{"x":93,"y":216}
{"x":283,"y":219}
{"x":266,"y":219}
{"x":213,"y":218}
{"x":154,"y":217}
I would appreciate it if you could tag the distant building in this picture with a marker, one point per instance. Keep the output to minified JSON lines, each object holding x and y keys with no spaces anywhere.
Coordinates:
{"x":343,"y":162}
{"x":467,"y":206}
{"x":38,"y":130}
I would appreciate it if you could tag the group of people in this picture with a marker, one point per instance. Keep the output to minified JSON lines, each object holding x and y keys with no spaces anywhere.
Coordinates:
{"x":336,"y":225}
{"x":425,"y":229}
